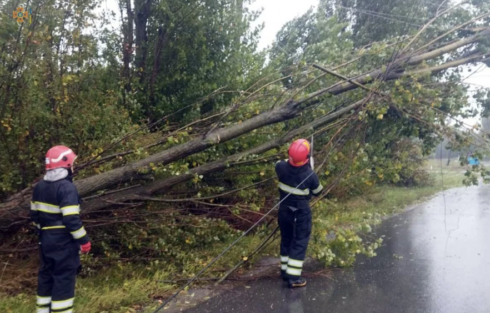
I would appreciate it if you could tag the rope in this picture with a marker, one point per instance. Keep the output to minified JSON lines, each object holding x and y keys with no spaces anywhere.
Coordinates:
{"x":263,"y":217}
{"x":229,"y":247}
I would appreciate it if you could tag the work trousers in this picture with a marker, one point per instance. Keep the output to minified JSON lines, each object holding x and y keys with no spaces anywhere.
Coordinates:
{"x":295,"y":225}
{"x":60,"y":260}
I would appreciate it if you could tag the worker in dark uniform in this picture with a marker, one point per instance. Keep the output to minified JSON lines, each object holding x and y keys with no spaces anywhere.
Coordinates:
{"x":297,"y":183}
{"x":55,"y":210}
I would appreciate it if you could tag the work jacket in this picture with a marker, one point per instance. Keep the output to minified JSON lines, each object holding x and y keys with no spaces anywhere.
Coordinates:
{"x":297,"y":184}
{"x":55,"y":206}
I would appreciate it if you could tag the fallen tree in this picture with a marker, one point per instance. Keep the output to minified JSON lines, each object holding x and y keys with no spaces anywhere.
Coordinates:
{"x":161,"y":186}
{"x":287,"y":111}
{"x":13,"y":212}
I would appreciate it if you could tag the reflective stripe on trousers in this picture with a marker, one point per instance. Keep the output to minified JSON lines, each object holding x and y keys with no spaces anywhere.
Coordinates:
{"x":295,"y":234}
{"x":284,"y":262}
{"x":62,"y":306}
{"x":42,"y":304}
{"x":294,"y":267}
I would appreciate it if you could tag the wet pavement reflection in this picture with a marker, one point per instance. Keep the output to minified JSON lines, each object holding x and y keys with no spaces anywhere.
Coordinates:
{"x":435,"y":258}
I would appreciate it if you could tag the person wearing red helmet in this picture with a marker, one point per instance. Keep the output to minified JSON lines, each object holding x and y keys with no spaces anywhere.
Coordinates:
{"x":55,"y":210}
{"x":297,"y":183}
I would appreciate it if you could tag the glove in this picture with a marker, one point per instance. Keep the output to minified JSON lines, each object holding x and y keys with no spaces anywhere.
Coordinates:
{"x":86,"y":247}
{"x":312,"y":163}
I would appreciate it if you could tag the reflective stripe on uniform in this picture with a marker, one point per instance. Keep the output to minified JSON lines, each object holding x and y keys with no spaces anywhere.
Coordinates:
{"x":42,"y":304}
{"x":64,"y":304}
{"x":70,"y":210}
{"x":66,"y":311}
{"x":43,"y":300}
{"x":284,"y":267}
{"x":295,"y":263}
{"x":79,"y":233}
{"x":294,"y":191}
{"x":293,"y":271}
{"x":46,"y":208}
{"x":53,"y":227}
{"x":320,"y":188}
{"x":284,"y":259}
{"x":33,"y":206}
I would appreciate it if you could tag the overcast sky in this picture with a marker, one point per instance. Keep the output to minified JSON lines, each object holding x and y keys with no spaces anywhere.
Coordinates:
{"x":276,"y":13}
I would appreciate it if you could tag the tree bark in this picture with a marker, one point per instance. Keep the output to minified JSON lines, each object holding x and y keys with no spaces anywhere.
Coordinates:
{"x":128,"y":45}
{"x":159,"y":46}
{"x":142,"y":8}
{"x":163,"y":185}
{"x":279,"y":114}
{"x":10,"y":211}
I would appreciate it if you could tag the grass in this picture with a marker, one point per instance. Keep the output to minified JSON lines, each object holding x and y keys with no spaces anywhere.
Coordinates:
{"x":124,"y":288}
{"x":386,"y":200}
{"x":447,"y":176}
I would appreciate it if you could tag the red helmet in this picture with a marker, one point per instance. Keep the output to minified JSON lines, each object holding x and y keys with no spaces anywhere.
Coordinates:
{"x":60,"y":157}
{"x":299,"y":152}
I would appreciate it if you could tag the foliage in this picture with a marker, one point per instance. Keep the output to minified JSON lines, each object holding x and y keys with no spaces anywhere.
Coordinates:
{"x":343,"y":229}
{"x":177,"y":70}
{"x":374,"y":20}
{"x":189,"y":49}
{"x":178,"y":238}
{"x":126,"y":285}
{"x":56,"y":89}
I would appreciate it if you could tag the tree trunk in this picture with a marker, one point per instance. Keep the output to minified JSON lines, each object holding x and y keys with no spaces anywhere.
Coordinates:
{"x":279,"y":114}
{"x":9,"y":212}
{"x":159,"y":46}
{"x":219,"y":165}
{"x":128,"y":45}
{"x":142,"y":8}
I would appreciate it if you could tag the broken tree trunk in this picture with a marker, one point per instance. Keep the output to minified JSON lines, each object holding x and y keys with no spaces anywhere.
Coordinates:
{"x":161,"y":186}
{"x":11,"y":212}
{"x":287,"y":111}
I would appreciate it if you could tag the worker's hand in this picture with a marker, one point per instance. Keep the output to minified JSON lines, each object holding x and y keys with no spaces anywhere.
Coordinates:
{"x":86,"y":247}
{"x":312,"y":163}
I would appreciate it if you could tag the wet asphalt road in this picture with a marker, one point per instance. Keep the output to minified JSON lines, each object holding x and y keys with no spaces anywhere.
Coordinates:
{"x":434,"y":259}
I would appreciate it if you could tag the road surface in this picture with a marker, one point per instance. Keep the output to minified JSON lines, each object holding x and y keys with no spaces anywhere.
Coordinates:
{"x":435,"y":259}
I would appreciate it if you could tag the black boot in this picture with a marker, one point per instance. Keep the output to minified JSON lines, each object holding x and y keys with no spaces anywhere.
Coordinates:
{"x":284,"y":276}
{"x":296,"y":282}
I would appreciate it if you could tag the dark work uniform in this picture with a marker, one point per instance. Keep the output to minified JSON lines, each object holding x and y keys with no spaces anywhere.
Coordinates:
{"x":296,"y":186}
{"x":55,"y":209}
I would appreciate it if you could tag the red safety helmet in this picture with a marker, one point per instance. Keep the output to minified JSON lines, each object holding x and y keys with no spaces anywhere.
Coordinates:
{"x":60,"y":157}
{"x":299,"y":152}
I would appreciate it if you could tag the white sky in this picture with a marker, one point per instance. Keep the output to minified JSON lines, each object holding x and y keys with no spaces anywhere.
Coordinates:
{"x":480,"y":77}
{"x":276,"y":13}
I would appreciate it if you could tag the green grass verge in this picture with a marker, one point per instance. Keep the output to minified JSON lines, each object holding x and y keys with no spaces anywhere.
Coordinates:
{"x":121,"y":288}
{"x":124,"y":288}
